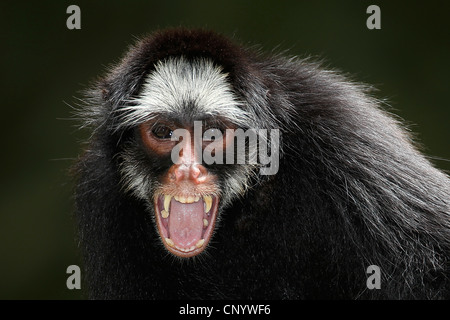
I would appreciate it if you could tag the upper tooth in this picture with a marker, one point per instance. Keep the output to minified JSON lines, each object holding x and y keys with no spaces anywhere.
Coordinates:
{"x":165,"y":214}
{"x":208,"y":203}
{"x":167,"y":202}
{"x":183,"y":199}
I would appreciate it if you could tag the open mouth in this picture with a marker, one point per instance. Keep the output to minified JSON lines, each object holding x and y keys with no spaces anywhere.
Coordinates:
{"x":186,"y":223}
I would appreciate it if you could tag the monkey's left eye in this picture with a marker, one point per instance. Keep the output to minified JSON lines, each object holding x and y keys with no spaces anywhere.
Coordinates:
{"x":162,"y":132}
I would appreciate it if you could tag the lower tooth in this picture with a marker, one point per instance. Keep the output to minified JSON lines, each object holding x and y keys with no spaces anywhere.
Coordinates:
{"x":200,"y":243}
{"x":185,"y":249}
{"x":169,"y":242}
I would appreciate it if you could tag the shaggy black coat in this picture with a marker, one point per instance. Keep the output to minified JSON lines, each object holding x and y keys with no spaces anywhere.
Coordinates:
{"x":352,"y":191}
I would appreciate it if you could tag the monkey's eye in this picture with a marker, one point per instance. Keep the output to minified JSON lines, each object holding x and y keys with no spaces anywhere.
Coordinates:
{"x":162,"y":132}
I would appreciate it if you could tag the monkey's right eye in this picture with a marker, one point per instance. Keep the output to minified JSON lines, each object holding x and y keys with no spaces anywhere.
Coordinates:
{"x":162,"y":132}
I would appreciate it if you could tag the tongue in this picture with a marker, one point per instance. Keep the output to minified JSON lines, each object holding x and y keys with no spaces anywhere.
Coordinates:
{"x":186,"y":223}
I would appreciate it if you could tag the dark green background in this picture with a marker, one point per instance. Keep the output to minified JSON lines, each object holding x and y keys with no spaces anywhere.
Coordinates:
{"x":44,"y":66}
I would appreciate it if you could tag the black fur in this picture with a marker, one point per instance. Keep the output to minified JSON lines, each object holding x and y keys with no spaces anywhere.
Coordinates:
{"x":352,"y":191}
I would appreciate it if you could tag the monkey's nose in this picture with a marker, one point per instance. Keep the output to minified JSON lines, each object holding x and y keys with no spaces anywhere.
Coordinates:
{"x":196,"y":173}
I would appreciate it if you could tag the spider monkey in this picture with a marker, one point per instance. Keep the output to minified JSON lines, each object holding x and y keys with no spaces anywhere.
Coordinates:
{"x":350,"y":187}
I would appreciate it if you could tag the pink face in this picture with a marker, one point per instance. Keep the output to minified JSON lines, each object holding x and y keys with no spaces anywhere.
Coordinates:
{"x":187,"y":201}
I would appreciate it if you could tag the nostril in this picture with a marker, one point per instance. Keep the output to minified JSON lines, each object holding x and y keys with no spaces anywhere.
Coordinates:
{"x":177,"y":172}
{"x":180,"y":172}
{"x":195,"y":172}
{"x":198,"y":173}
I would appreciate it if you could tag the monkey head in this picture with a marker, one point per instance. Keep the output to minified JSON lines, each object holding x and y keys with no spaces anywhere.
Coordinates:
{"x":183,"y":106}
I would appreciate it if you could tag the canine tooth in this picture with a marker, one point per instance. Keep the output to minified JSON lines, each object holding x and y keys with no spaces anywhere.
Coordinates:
{"x":208,"y":203}
{"x":167,"y":202}
{"x":169,"y":242}
{"x":205,"y":223}
{"x":164,"y":214}
{"x":200,"y":243}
